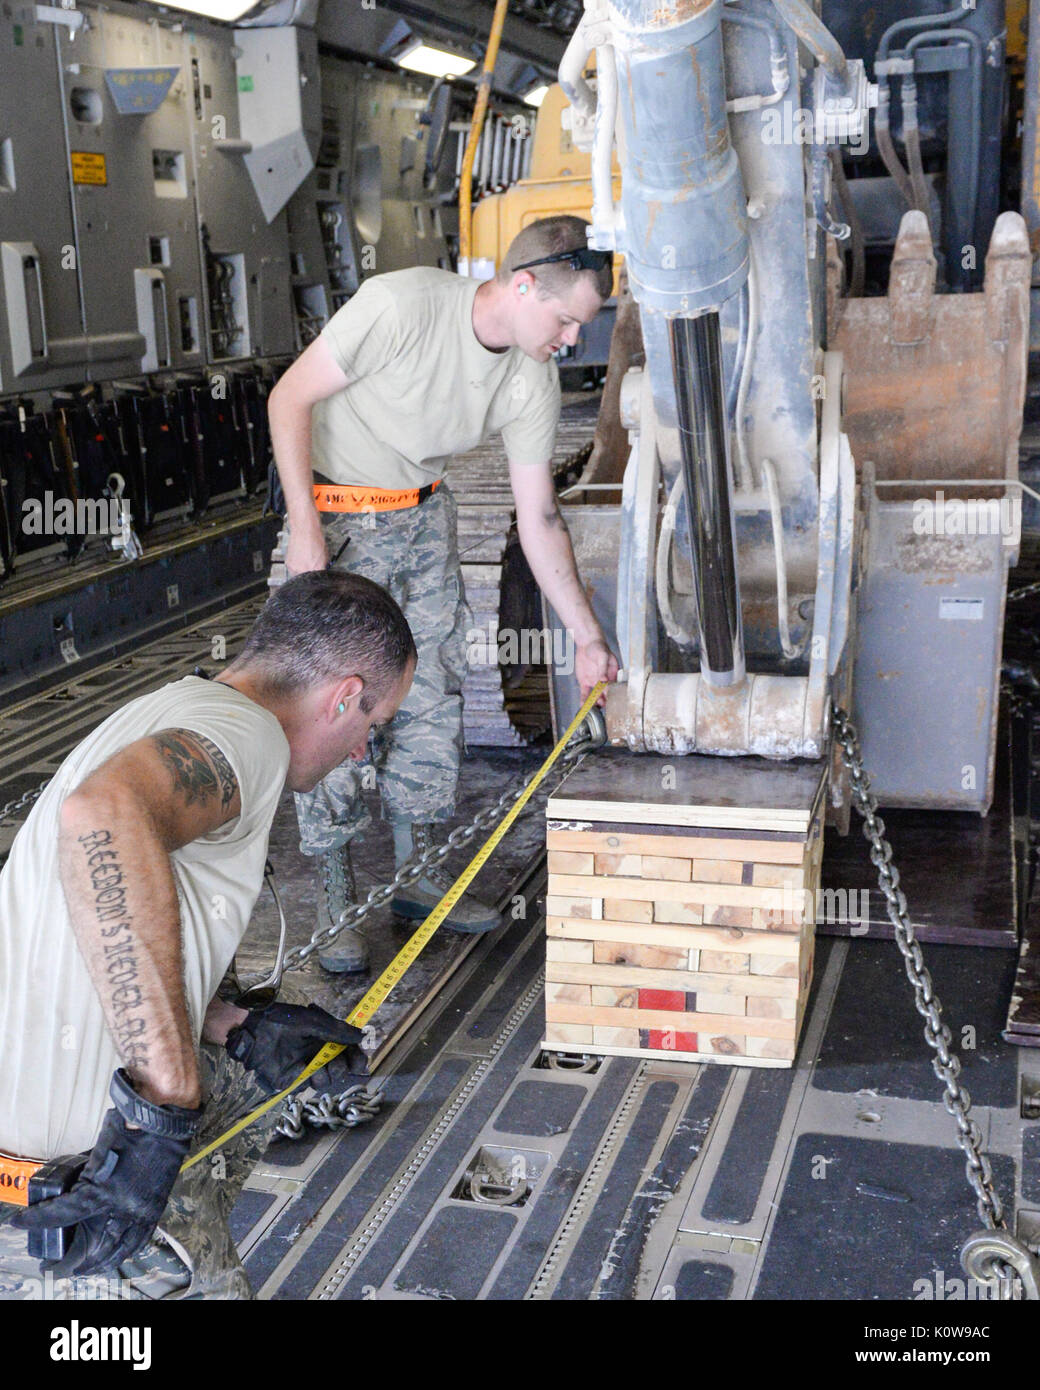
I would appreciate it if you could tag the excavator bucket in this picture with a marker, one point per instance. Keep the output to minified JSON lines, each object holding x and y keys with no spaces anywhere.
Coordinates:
{"x":935,"y":386}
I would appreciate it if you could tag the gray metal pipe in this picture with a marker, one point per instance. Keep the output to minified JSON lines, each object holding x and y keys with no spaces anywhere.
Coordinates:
{"x":915,"y":22}
{"x":683,"y":200}
{"x":812,"y":31}
{"x":696,"y":349}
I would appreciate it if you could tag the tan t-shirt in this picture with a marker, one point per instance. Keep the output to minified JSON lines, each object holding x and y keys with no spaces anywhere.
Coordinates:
{"x":58,"y":1055}
{"x":422,"y":387}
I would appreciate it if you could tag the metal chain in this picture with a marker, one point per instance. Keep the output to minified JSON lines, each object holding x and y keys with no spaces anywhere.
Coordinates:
{"x":382,"y":893}
{"x":26,"y":799}
{"x":1027,"y":591}
{"x":946,"y":1064}
{"x":356,"y":1105}
{"x":340,"y":1111}
{"x":352,"y":1107}
{"x":416,"y":869}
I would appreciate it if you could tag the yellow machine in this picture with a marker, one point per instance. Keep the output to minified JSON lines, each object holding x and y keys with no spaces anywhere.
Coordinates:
{"x":560,"y":182}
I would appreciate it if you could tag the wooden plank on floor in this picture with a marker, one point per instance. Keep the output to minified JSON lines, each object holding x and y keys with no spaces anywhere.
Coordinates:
{"x":956,"y":869}
{"x":1023,"y":1018}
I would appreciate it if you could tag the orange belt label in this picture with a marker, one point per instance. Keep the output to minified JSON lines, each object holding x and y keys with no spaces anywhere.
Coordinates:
{"x":14,"y":1179}
{"x":331,"y":497}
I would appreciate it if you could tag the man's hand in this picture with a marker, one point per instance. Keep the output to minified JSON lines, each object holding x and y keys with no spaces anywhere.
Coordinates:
{"x":595,"y":662}
{"x":306,"y":549}
{"x":276,"y":1043}
{"x":313,"y":377}
{"x":117,"y":1200}
{"x":220,"y":1018}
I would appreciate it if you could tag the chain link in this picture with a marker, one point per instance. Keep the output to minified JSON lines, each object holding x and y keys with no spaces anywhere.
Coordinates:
{"x":352,"y":1107}
{"x":416,"y":869}
{"x":1027,"y":591}
{"x":9,"y":811}
{"x":356,"y":1106}
{"x":946,"y":1064}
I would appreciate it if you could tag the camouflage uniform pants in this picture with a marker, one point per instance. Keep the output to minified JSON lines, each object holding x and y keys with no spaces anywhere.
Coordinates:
{"x":192,"y":1254}
{"x":413,"y":553}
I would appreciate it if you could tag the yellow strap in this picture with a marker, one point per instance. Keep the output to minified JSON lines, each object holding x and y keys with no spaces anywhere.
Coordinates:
{"x":409,"y":952}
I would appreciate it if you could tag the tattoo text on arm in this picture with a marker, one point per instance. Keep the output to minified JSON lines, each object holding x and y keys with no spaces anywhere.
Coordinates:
{"x":124,"y":1002}
{"x":197,"y":766}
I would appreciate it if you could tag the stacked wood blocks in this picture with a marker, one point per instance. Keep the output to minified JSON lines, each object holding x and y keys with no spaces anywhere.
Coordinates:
{"x":684,"y":941}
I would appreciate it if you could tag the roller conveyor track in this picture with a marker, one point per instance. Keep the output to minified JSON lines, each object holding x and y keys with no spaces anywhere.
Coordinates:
{"x":504,"y":709}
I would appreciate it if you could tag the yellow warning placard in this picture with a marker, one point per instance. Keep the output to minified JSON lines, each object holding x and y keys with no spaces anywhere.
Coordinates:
{"x":88,"y":167}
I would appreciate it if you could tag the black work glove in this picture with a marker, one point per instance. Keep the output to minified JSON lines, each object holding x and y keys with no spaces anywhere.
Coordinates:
{"x":117,"y":1200}
{"x":277,"y":1042}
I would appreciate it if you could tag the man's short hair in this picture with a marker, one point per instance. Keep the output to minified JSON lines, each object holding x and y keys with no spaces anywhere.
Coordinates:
{"x":324,"y":625}
{"x":547,"y":237}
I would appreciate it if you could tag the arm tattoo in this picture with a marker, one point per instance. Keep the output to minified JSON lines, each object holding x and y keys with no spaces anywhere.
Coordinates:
{"x":121,"y":994}
{"x":198,"y":767}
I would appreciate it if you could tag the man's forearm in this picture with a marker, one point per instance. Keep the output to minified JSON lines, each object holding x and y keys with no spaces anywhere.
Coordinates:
{"x":291,"y":443}
{"x":122,"y":901}
{"x":547,"y":544}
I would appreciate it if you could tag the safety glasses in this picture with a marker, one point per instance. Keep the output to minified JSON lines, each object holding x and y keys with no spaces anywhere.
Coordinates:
{"x":580,"y":258}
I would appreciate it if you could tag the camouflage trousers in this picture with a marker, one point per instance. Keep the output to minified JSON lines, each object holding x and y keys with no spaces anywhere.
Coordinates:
{"x":413,"y":553}
{"x":192,"y":1254}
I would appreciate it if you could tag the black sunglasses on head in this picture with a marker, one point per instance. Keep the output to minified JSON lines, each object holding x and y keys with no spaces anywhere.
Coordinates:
{"x":580,"y":258}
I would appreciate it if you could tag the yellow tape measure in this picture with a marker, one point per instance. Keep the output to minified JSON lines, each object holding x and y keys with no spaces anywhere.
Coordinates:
{"x":410,"y":951}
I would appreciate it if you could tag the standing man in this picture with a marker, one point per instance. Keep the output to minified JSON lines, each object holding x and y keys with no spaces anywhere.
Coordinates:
{"x":420,"y":365}
{"x":122,"y":903}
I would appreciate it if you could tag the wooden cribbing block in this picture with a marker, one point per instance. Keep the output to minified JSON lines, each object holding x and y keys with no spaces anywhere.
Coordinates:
{"x":727,"y":939}
{"x":680,"y":907}
{"x":679,"y":1019}
{"x":560,"y":862}
{"x":667,"y":890}
{"x":761,"y":986}
{"x":788,"y":849}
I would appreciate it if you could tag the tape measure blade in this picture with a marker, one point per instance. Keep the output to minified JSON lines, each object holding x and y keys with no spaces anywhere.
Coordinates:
{"x":376,"y":995}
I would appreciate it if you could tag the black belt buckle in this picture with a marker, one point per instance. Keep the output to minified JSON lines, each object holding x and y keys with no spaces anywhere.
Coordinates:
{"x":55,"y":1178}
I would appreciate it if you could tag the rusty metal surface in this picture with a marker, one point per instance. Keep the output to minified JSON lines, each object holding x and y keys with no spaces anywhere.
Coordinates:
{"x":935,"y":384}
{"x":927,"y":660}
{"x":665,"y":15}
{"x":610,"y":446}
{"x":1030,"y":116}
